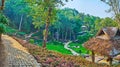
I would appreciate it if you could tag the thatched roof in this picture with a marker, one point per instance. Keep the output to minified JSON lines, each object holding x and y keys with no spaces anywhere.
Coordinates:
{"x":108,"y":33}
{"x":106,"y":42}
{"x":117,"y":57}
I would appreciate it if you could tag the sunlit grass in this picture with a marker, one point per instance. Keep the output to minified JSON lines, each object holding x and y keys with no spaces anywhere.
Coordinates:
{"x":58,"y":47}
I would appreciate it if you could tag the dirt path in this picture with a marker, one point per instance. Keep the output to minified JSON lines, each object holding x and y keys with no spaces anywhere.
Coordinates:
{"x":72,"y":51}
{"x":17,"y":56}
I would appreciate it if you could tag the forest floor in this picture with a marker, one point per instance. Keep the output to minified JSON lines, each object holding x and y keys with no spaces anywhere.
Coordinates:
{"x":15,"y":55}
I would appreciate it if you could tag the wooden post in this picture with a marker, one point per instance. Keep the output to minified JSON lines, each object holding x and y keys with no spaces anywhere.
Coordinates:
{"x":0,"y":37}
{"x":93,"y":56}
{"x":110,"y":60}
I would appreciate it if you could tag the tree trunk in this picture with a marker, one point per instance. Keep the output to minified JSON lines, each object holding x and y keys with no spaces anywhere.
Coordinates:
{"x":74,"y":38}
{"x":72,"y":35}
{"x":0,"y":37}
{"x":66,"y":35}
{"x":20,"y":22}
{"x":93,"y":56}
{"x":2,"y":5}
{"x":45,"y":35}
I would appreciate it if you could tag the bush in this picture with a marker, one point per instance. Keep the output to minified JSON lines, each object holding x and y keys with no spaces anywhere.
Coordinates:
{"x":3,"y":22}
{"x":10,"y":30}
{"x":2,"y":28}
{"x":21,"y":33}
{"x":83,"y":38}
{"x":31,"y":41}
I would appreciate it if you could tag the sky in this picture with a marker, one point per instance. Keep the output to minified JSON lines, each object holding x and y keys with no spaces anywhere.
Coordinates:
{"x":92,"y":7}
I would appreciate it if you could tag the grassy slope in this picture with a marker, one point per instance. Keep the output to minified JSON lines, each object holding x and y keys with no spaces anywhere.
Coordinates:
{"x":53,"y":59}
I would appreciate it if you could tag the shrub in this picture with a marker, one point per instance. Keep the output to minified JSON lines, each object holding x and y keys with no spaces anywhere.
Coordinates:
{"x":83,"y":38}
{"x":31,"y":41}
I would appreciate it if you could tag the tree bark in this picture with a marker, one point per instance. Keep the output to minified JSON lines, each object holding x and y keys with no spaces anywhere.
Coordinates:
{"x":0,"y":37}
{"x":45,"y":35}
{"x":46,"y":28}
{"x":2,"y":5}
{"x":93,"y":56}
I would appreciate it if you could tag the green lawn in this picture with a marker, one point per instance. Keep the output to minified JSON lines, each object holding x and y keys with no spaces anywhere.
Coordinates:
{"x":80,"y":49}
{"x":58,"y":47}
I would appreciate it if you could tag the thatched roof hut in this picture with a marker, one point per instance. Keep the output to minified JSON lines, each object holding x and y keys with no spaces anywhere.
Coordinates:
{"x":106,"y":42}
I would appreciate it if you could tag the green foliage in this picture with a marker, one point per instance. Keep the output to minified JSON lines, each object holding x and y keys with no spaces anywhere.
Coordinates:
{"x":3,"y":22}
{"x":57,"y":43}
{"x":21,"y":33}
{"x":83,"y":38}
{"x":31,"y":41}
{"x":3,"y":19}
{"x":66,"y":22}
{"x":107,"y":22}
{"x":2,"y":28}
{"x":10,"y":30}
{"x":15,"y":10}
{"x":40,"y":11}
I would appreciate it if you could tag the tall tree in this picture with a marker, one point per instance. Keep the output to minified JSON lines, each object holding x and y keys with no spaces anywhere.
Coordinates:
{"x":3,"y":20}
{"x":114,"y":7}
{"x":44,"y":13}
